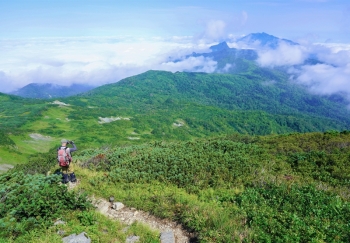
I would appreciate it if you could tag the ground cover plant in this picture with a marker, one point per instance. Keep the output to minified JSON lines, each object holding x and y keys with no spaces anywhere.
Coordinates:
{"x":30,"y":204}
{"x":235,"y":188}
{"x":223,"y":189}
{"x":34,"y":201}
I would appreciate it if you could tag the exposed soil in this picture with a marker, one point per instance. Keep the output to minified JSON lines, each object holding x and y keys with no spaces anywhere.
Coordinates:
{"x":5,"y":167}
{"x":128,"y":216}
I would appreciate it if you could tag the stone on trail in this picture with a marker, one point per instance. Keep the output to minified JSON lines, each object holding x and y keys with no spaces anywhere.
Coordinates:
{"x":167,"y":237}
{"x":74,"y":238}
{"x":118,"y":205}
{"x":132,"y":239}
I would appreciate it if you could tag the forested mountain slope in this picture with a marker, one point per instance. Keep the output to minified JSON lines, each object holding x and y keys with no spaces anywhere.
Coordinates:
{"x":159,"y":105}
{"x":174,"y":93}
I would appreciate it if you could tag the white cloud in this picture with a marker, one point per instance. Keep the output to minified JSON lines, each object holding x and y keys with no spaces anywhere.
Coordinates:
{"x":330,"y":76}
{"x":197,"y":64}
{"x":215,"y":30}
{"x":283,"y":55}
{"x":325,"y":79}
{"x":94,"y":61}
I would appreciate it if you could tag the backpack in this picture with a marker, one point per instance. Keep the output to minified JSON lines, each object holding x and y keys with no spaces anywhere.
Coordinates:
{"x":63,"y":156}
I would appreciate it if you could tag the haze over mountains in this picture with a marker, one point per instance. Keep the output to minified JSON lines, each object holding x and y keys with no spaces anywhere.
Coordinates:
{"x":259,"y":50}
{"x":48,"y":91}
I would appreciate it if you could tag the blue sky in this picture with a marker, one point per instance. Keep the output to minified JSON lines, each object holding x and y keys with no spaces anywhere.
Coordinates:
{"x":318,"y":20}
{"x":103,"y":41}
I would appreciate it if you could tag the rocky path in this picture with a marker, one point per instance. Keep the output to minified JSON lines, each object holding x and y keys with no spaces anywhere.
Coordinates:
{"x":171,"y":232}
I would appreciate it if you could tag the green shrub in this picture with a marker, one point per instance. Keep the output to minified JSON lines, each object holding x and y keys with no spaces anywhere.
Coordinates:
{"x":295,"y":214}
{"x":34,"y":201}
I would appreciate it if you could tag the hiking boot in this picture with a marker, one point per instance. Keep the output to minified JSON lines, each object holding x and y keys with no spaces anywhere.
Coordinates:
{"x":72,"y":177}
{"x":65,"y":179}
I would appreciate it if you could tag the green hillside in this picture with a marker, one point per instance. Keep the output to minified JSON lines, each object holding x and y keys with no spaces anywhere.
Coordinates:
{"x":231,"y":157}
{"x":159,"y":105}
{"x":235,"y":188}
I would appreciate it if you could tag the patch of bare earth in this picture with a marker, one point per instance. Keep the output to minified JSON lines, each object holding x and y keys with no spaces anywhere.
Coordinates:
{"x":37,"y":136}
{"x":5,"y":167}
{"x":128,"y":216}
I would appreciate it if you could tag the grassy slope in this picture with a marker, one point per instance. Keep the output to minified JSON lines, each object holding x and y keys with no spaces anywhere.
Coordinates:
{"x":262,"y":189}
{"x":277,"y":188}
{"x":203,"y":104}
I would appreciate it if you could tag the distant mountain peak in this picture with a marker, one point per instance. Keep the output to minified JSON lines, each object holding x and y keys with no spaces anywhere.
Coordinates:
{"x":264,"y":40}
{"x":49,"y":90}
{"x":220,"y":47}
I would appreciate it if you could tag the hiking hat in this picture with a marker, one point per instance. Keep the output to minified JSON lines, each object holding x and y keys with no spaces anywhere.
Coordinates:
{"x":64,"y":141}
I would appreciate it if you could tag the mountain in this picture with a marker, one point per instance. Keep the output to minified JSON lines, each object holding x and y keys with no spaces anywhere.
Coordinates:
{"x":263,"y":40}
{"x":229,"y":60}
{"x":48,"y":91}
{"x":211,"y":104}
{"x":234,"y":60}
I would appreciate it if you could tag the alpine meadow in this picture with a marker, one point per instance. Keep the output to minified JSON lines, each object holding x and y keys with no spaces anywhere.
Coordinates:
{"x":241,"y":154}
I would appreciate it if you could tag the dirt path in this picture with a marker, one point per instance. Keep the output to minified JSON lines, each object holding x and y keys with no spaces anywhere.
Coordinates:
{"x":128,"y":216}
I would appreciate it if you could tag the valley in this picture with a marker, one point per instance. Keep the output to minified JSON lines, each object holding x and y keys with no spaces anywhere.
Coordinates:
{"x":245,"y":155}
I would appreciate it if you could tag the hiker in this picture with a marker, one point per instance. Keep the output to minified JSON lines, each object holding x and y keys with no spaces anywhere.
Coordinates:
{"x":64,"y":157}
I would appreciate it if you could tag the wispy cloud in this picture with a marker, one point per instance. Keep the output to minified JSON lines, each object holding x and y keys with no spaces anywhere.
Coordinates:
{"x":325,"y":79}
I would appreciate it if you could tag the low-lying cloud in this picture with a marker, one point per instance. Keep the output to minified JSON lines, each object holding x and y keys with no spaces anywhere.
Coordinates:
{"x":328,"y":74}
{"x":94,"y":61}
{"x":284,"y":55}
{"x":97,"y":61}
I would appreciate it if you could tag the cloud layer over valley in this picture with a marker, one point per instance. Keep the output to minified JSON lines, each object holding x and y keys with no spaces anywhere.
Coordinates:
{"x":93,"y":61}
{"x":101,"y":60}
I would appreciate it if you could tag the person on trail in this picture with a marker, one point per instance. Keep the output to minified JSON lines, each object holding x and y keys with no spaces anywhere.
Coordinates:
{"x":64,"y":157}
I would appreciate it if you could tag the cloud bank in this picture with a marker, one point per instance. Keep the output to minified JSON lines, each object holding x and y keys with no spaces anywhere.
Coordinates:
{"x":94,"y":61}
{"x":323,"y":68}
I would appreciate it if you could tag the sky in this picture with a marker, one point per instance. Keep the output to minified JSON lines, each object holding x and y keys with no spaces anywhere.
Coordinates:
{"x":103,"y":41}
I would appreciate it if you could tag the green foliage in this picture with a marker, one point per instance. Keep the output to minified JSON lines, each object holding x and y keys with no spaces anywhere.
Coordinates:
{"x":16,"y":111}
{"x":34,"y":201}
{"x":253,"y":101}
{"x":322,"y":156}
{"x":236,"y":187}
{"x":39,"y":163}
{"x":5,"y":140}
{"x":192,"y":165}
{"x":87,"y":218}
{"x":295,"y":214}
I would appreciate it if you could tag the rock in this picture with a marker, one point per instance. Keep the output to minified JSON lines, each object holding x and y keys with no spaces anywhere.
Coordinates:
{"x":59,"y":222}
{"x":117,"y":206}
{"x":132,"y":239}
{"x":167,"y":237}
{"x":81,"y":238}
{"x":103,"y":206}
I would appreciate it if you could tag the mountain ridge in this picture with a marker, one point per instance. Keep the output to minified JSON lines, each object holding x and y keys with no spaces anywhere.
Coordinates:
{"x":49,"y":90}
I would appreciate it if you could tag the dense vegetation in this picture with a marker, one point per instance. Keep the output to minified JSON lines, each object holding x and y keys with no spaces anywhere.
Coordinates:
{"x":175,"y":159}
{"x":238,"y":187}
{"x":33,"y":201}
{"x":16,"y":111}
{"x":285,"y":188}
